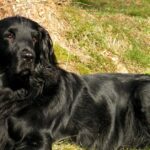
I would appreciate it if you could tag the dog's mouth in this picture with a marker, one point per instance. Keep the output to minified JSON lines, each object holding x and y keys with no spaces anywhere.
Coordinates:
{"x":25,"y":68}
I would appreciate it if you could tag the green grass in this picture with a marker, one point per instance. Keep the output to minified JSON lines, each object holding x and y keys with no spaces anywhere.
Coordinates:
{"x":66,"y":58}
{"x":66,"y":145}
{"x":128,"y":7}
{"x":138,"y":57}
{"x":104,"y":37}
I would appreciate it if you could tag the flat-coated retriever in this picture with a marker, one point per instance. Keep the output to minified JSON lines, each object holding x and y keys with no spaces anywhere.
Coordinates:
{"x":99,"y":112}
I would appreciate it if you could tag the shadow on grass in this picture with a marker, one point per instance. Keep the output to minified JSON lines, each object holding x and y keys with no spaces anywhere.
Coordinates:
{"x":128,"y":7}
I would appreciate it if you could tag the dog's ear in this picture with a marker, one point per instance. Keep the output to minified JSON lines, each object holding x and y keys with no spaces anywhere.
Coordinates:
{"x":47,"y":55}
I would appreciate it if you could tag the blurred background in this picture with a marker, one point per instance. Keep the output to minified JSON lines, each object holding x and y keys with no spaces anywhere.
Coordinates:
{"x":92,"y":36}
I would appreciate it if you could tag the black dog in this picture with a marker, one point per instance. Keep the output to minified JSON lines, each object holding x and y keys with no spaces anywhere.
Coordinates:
{"x":99,"y":112}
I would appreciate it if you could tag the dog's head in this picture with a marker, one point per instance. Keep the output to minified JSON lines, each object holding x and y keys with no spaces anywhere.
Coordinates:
{"x":23,"y":45}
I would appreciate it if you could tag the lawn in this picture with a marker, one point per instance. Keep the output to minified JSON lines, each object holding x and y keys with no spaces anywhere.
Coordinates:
{"x":107,"y":36}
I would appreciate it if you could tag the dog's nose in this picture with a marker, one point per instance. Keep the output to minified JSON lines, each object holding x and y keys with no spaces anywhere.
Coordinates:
{"x":26,"y":54}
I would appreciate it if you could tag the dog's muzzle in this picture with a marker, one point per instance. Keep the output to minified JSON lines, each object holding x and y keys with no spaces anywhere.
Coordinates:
{"x":26,"y":62}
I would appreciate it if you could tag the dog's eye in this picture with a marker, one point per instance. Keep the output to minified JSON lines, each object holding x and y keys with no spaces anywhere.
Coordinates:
{"x":34,"y":39}
{"x":10,"y":36}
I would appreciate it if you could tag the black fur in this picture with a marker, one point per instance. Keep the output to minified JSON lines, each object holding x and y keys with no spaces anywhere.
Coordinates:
{"x":99,"y":112}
